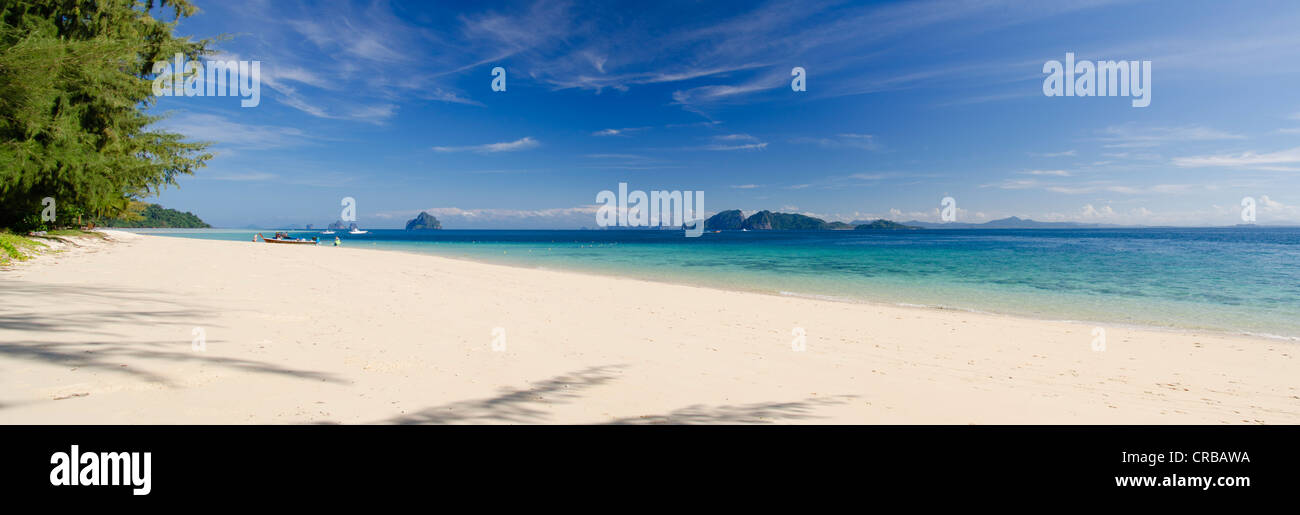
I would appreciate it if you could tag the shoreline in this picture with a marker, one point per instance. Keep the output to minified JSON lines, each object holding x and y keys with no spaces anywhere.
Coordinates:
{"x":297,"y":336}
{"x":1193,"y":331}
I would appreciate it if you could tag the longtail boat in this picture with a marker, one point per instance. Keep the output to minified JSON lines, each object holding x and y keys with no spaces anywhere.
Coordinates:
{"x":283,"y":237}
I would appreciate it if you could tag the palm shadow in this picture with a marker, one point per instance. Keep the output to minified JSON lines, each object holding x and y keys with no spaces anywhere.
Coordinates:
{"x":756,"y":413}
{"x":526,"y":406}
{"x":513,"y":405}
{"x":100,"y":349}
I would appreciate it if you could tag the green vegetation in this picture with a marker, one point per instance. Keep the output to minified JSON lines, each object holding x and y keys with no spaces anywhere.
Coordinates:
{"x":77,"y":233}
{"x":883,"y":225}
{"x":767,"y":220}
{"x":16,"y":248}
{"x":770,"y":221}
{"x":75,"y":84}
{"x":732,"y":220}
{"x":154,"y":215}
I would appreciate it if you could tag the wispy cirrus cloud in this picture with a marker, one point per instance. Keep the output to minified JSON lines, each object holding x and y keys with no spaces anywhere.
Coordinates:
{"x":524,"y":143}
{"x":844,"y":140}
{"x":1056,"y":173}
{"x":1133,"y":136}
{"x":730,"y":142}
{"x":1256,"y":160}
{"x":618,"y":132}
{"x":1084,"y":187}
{"x":229,"y":133}
{"x":247,"y":176}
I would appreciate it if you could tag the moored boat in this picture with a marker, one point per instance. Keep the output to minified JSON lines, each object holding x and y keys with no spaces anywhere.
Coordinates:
{"x":283,"y":237}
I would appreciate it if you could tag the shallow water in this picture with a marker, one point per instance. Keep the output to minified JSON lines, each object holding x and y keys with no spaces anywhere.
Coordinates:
{"x":1242,"y":280}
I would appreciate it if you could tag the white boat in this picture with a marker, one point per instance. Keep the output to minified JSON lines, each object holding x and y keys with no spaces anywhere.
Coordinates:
{"x":357,"y":231}
{"x":327,"y":231}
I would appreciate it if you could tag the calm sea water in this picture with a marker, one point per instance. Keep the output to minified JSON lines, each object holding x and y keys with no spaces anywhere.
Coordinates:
{"x":1241,"y":280}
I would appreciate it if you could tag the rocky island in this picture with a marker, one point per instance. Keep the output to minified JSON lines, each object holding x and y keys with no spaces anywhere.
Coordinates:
{"x":735,"y":220}
{"x":423,"y":222}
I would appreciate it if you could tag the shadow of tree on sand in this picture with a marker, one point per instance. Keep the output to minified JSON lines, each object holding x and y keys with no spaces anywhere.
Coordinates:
{"x":16,"y":295}
{"x":514,"y":406}
{"x":84,"y":342}
{"x":756,"y":413}
{"x":104,"y":356}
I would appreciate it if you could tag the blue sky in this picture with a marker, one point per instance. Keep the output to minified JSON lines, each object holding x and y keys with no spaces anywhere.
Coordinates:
{"x":907,"y":102}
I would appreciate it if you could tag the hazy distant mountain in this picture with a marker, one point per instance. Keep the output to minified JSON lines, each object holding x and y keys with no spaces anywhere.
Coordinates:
{"x":734,"y":219}
{"x":1006,"y":223}
{"x":882,"y":225}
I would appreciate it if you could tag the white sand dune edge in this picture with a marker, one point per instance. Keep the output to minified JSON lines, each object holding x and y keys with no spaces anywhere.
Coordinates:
{"x":342,"y":335}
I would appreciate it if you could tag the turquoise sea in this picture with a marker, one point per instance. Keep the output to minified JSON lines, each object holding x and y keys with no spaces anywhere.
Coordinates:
{"x":1237,"y":280}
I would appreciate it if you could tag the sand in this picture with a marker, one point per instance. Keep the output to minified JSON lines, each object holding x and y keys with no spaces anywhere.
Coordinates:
{"x":107,"y":334}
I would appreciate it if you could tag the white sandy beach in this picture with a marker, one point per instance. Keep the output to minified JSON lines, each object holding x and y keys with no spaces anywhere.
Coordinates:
{"x":104,"y":335}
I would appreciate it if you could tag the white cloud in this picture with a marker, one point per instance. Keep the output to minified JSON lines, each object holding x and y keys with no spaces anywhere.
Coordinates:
{"x":1248,"y":159}
{"x":732,"y":142}
{"x":524,"y":143}
{"x":1132,"y":136}
{"x":750,"y":146}
{"x":1092,"y":213}
{"x":237,"y":176}
{"x":614,"y":156}
{"x":1056,"y":173}
{"x":618,"y":132}
{"x":223,"y":131}
{"x":844,"y":140}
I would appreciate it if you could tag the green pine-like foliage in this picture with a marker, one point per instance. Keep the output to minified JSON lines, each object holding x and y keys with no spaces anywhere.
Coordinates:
{"x":75,"y":84}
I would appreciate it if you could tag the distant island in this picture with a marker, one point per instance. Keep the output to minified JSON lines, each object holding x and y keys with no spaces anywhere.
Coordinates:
{"x":153,"y":216}
{"x":882,"y":225}
{"x":1011,"y":222}
{"x":735,"y":220}
{"x":423,"y":222}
